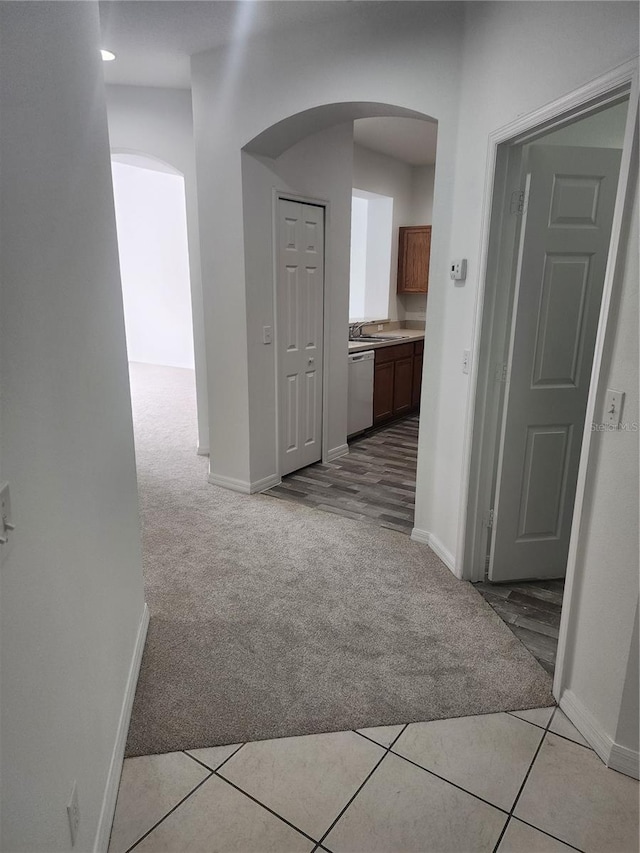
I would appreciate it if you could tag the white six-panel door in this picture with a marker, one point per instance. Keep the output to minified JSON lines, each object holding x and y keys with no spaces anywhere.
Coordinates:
{"x":561,"y":265}
{"x":300,"y":300}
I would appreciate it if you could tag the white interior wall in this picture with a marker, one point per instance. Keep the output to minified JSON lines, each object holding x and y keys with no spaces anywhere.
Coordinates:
{"x":500,"y":43}
{"x":71,"y":589}
{"x":573,"y":42}
{"x":154,"y":264}
{"x":159,"y":122}
{"x":627,"y":732}
{"x":358,"y":265}
{"x":422,"y":195}
{"x":230,"y":109}
{"x":602,"y":655}
{"x":503,"y":42}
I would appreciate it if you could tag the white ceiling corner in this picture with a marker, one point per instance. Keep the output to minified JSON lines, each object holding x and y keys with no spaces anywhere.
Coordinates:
{"x":410,"y":140}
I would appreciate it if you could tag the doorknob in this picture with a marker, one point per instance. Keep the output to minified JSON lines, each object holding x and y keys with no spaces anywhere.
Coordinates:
{"x":311,"y":360}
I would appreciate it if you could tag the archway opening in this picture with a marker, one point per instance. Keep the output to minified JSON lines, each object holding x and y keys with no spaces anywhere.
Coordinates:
{"x":315,"y":157}
{"x":151,"y":223}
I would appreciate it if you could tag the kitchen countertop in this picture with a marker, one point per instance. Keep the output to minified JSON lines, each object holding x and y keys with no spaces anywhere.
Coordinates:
{"x":400,"y":336}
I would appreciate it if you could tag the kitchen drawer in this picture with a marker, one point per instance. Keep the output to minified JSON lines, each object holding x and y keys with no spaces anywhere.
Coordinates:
{"x":393,"y":353}
{"x":419,"y":345}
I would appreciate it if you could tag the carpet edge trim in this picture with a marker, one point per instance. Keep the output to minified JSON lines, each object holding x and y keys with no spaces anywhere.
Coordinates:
{"x":110,"y":797}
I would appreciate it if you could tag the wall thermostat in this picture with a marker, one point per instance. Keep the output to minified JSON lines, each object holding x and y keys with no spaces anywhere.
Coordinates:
{"x":458,"y":270}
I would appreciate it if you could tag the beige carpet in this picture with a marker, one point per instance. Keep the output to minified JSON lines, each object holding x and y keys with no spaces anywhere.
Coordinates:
{"x":270,"y":619}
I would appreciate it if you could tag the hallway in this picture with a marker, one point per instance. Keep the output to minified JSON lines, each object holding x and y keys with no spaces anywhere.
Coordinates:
{"x":271,"y":619}
{"x":463,"y":782}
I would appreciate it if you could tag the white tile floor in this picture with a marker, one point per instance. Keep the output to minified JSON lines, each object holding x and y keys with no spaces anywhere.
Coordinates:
{"x":511,"y":783}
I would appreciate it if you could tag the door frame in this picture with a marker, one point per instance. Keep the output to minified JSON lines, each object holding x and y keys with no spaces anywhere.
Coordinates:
{"x":480,"y":436}
{"x":277,"y":197}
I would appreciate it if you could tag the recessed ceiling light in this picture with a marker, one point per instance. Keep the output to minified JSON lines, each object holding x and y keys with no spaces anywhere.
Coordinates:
{"x":107,"y":55}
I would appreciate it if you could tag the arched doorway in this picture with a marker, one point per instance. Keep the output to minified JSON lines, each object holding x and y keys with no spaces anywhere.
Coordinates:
{"x":309,"y":157}
{"x":151,"y":222}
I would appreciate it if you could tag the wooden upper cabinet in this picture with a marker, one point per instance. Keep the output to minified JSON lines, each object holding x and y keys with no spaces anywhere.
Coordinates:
{"x":414,"y":248}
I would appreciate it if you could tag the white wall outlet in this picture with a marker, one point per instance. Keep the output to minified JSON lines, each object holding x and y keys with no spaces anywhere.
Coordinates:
{"x":380,"y":327}
{"x":267,"y":335}
{"x":466,"y":360}
{"x":458,"y":269}
{"x":73,"y":813}
{"x":6,"y":522}
{"x":613,"y":407}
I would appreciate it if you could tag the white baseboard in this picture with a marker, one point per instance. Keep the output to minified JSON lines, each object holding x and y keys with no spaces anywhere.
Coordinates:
{"x":420,"y":536}
{"x":436,"y":546}
{"x":614,"y":755}
{"x":337,"y":452}
{"x":203,"y":450}
{"x":586,"y":724}
{"x":265,"y":483}
{"x":625,"y":760}
{"x":242,"y":486}
{"x":117,"y":755}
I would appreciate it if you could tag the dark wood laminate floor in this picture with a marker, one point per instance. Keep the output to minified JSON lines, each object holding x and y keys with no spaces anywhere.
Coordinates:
{"x":375,"y":482}
{"x":532,"y":611}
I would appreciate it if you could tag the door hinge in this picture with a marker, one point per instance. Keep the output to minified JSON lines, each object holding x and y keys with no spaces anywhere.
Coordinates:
{"x":518,"y":202}
{"x":488,"y":519}
{"x":501,"y":372}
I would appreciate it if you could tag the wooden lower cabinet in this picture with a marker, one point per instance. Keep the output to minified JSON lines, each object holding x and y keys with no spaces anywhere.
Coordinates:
{"x":402,"y":386}
{"x":383,"y":392}
{"x":417,"y":374}
{"x":397,"y":379}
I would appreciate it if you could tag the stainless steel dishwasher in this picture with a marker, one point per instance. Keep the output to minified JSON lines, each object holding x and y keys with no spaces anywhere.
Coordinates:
{"x":360,"y":410}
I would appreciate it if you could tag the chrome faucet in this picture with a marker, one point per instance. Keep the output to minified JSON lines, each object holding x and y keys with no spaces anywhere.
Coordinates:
{"x":355,"y":329}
